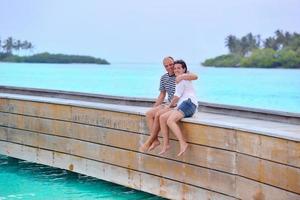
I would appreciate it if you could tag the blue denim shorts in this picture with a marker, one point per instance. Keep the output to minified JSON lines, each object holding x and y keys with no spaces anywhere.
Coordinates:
{"x":187,"y":108}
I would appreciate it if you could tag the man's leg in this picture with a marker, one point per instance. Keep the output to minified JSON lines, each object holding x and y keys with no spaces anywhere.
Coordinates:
{"x":150,"y":114}
{"x":154,"y":130}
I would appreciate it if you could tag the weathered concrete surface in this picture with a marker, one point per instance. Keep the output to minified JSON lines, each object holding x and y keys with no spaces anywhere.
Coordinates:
{"x":229,"y":157}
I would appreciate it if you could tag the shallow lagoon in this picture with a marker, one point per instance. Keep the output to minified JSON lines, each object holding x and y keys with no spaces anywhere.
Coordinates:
{"x":24,"y":180}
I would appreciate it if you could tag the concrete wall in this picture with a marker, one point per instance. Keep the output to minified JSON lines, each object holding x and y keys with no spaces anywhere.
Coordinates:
{"x":221,"y":163}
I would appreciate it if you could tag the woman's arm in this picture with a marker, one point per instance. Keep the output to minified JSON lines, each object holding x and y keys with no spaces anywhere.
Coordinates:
{"x":186,"y":76}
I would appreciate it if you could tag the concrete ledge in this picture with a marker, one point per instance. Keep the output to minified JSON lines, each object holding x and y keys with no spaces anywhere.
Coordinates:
{"x":254,"y":113}
{"x":263,"y":127}
{"x":119,"y":100}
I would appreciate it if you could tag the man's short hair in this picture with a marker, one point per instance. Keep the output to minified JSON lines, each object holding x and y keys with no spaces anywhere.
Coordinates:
{"x":169,"y":57}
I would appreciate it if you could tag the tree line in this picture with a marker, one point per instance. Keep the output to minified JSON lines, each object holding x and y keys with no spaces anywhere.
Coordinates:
{"x":280,"y":50}
{"x":10,"y":45}
{"x":54,"y":58}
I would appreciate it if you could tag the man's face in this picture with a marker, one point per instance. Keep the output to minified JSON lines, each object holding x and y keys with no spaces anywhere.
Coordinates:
{"x":169,"y":65}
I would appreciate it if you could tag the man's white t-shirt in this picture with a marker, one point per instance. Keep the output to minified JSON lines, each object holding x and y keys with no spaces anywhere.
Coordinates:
{"x":184,"y":90}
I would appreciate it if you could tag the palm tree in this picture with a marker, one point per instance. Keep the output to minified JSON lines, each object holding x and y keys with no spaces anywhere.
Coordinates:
{"x":253,"y":40}
{"x":249,"y":42}
{"x":27,"y":45}
{"x":8,"y":45}
{"x":17,"y":45}
{"x":245,"y":46}
{"x":281,"y":38}
{"x":288,"y":39}
{"x":24,"y":45}
{"x":270,"y":42}
{"x":30,"y":47}
{"x":232,"y":43}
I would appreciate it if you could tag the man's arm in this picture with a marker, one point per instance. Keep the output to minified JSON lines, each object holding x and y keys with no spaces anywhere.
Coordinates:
{"x":186,"y":76}
{"x":160,"y":98}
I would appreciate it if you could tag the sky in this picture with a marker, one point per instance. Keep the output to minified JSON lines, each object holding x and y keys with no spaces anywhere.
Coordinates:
{"x":137,"y":31}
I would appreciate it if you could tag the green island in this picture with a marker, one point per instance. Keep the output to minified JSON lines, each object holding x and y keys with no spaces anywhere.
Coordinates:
{"x":279,"y":51}
{"x":9,"y":45}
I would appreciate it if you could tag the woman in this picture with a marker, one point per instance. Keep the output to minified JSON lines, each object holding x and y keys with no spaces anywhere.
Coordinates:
{"x":185,"y":104}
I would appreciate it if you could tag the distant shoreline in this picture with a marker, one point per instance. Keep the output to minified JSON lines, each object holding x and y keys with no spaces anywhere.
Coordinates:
{"x":256,"y":61}
{"x":52,"y":58}
{"x":279,"y":51}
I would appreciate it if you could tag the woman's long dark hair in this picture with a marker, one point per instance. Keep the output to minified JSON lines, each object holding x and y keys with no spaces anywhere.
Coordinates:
{"x":182,"y":63}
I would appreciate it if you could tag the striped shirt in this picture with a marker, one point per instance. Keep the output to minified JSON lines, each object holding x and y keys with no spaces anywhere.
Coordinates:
{"x":167,"y":83}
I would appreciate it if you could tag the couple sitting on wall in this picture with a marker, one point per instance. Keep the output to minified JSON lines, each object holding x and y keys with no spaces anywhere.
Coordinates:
{"x":182,"y":102}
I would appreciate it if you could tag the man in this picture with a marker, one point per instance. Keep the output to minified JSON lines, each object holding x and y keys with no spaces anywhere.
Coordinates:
{"x":167,"y":86}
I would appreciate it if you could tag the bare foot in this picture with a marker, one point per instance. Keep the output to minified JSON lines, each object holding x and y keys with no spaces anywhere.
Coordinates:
{"x":154,"y":144}
{"x":183,"y":149}
{"x":164,"y":149}
{"x":144,"y":148}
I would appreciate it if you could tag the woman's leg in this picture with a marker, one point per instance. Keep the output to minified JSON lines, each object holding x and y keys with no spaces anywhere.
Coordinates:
{"x":173,"y":124}
{"x":164,"y":131}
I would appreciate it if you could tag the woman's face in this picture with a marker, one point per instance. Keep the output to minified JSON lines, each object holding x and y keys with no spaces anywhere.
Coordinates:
{"x":178,"y":70}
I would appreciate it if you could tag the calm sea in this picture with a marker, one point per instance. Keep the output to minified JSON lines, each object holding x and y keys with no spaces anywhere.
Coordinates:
{"x":273,"y":89}
{"x":17,"y":181}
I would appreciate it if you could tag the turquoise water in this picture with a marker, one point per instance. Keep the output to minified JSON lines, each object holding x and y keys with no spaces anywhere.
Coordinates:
{"x":273,"y":89}
{"x":29,"y":181}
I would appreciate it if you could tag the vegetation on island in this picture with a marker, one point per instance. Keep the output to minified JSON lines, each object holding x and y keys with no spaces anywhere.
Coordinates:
{"x":279,"y":51}
{"x":10,"y":45}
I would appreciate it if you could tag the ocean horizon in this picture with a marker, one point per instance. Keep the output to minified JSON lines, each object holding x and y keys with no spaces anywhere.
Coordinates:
{"x":271,"y":89}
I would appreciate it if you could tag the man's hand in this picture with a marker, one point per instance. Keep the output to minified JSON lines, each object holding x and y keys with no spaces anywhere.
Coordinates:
{"x":160,"y":98}
{"x":179,"y":78}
